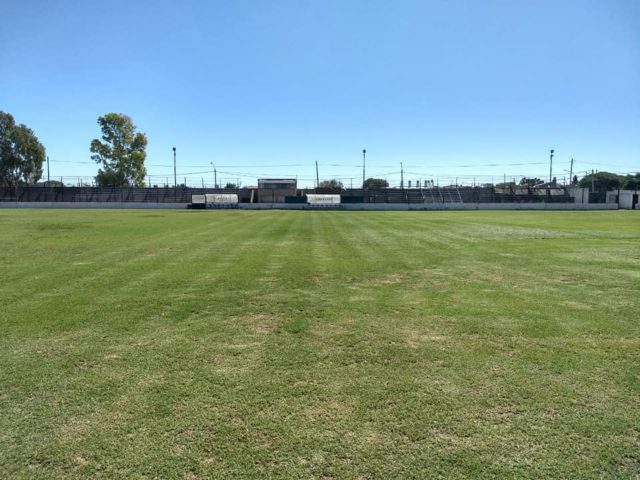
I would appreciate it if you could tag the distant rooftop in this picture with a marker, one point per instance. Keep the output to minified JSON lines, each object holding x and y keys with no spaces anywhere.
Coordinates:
{"x":277,"y":183}
{"x":280,"y":180}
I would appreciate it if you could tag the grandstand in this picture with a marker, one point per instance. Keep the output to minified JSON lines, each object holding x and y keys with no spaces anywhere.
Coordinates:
{"x":284,"y":191}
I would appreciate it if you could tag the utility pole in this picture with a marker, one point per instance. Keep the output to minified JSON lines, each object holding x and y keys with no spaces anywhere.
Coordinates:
{"x":215,"y":175}
{"x":364,"y":157}
{"x":571,"y":173}
{"x":48,"y":178}
{"x":550,"y":166}
{"x":317,"y":176}
{"x":401,"y":176}
{"x":175,"y":178}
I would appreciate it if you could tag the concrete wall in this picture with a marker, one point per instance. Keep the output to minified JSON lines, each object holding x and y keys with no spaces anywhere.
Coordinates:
{"x":580,"y":195}
{"x":611,"y":197}
{"x":625,"y":199}
{"x":441,"y":206}
{"x":138,"y":205}
{"x":482,"y":206}
{"x":344,"y":206}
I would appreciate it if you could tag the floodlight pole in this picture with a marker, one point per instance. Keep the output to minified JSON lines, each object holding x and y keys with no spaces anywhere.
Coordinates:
{"x":215,"y":175}
{"x":571,"y":173}
{"x":48,"y":178}
{"x":401,"y":176}
{"x":364,"y":160}
{"x":317,"y":176}
{"x":175,"y":178}
{"x":550,"y":166}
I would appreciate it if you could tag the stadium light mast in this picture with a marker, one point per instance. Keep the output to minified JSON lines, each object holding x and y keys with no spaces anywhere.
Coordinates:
{"x":550,"y":166}
{"x":364,"y":161}
{"x":570,"y":173}
{"x":175,"y":177}
{"x":215,"y":176}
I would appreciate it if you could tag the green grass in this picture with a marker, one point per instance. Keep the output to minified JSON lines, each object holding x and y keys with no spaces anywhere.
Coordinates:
{"x":232,"y":344}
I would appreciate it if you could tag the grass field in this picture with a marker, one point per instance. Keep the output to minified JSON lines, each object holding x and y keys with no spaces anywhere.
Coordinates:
{"x":232,"y":344}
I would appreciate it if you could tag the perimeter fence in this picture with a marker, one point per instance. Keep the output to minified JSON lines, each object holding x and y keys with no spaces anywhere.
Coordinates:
{"x":449,"y":194}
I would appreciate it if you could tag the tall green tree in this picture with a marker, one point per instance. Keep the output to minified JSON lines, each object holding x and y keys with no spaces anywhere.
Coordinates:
{"x":530,"y":182}
{"x":632,"y":182}
{"x":121,"y":152}
{"x":373,"y":183}
{"x":602,"y":181}
{"x":21,"y":153}
{"x":333,"y":183}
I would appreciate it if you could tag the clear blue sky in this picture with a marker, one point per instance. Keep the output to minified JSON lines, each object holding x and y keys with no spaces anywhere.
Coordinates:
{"x":252,"y":85}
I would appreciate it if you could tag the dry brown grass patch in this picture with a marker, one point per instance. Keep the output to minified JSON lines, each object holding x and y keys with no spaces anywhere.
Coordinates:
{"x":391,"y":279}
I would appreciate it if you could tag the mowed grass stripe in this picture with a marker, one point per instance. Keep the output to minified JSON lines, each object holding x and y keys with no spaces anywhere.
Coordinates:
{"x":233,"y":344}
{"x":169,"y":259}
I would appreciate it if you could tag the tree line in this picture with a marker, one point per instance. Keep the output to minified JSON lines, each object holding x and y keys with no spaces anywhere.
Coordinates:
{"x":121,"y":153}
